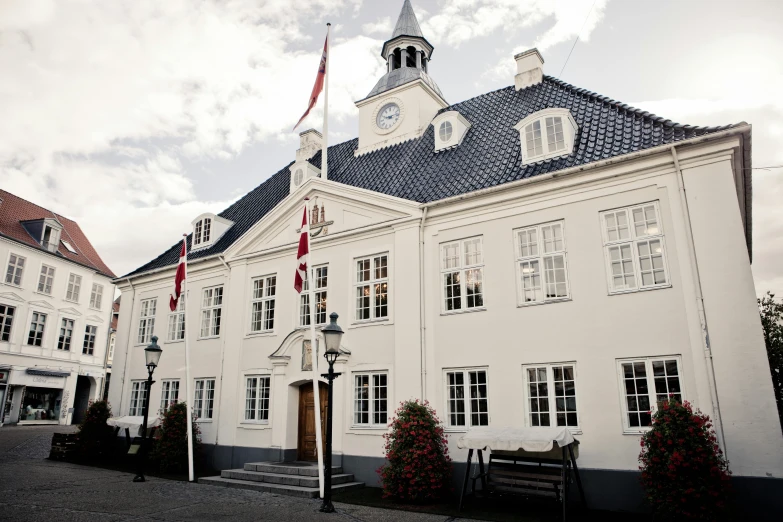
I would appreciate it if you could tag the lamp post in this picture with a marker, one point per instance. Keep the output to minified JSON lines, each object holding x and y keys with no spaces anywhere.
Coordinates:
{"x":332,"y":335}
{"x":152,"y":355}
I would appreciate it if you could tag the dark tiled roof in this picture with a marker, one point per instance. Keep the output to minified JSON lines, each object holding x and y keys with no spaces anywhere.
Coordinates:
{"x":489,"y":155}
{"x":14,"y":210}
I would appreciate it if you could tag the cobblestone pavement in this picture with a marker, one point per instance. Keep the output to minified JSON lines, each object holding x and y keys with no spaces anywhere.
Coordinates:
{"x":35,"y":489}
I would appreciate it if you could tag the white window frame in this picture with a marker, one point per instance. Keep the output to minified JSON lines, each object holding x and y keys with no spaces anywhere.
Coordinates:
{"x":203,"y":232}
{"x":375,"y":288}
{"x":466,"y":399}
{"x":321,"y":296}
{"x":204,"y":398}
{"x":463,"y":266}
{"x":137,"y":397}
{"x":64,"y":342}
{"x":525,"y":260}
{"x":90,"y":334}
{"x":374,"y":413}
{"x":545,"y":119}
{"x":263,"y":304}
{"x":112,"y":342}
{"x":211,"y":312}
{"x":651,"y":387}
{"x":7,"y":320}
{"x":634,"y":240}
{"x":74,"y":287}
{"x":551,"y":396}
{"x":37,"y":327}
{"x":175,"y":331}
{"x":147,"y":310}
{"x":15,"y":269}
{"x":96,"y":296}
{"x":169,"y":393}
{"x":261,"y":393}
{"x":46,"y":279}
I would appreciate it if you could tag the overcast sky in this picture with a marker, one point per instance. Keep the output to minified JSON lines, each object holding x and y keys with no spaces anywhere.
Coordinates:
{"x":134,"y":117}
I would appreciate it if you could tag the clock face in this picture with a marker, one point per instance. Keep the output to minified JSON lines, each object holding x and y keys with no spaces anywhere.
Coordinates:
{"x":388,"y":116}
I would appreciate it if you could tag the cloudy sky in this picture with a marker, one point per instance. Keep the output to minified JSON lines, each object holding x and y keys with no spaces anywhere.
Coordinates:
{"x":134,"y":117}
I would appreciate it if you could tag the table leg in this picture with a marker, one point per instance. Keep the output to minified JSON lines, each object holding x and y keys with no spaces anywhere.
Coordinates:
{"x":578,"y":478}
{"x":564,"y":476}
{"x":465,"y":482}
{"x":480,"y":454}
{"x":128,"y":440}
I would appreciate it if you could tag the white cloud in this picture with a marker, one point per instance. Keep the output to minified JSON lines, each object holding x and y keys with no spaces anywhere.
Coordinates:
{"x":382,"y":27}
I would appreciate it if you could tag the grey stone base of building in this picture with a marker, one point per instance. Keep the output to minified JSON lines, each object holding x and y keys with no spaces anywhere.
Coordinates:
{"x":605,"y":489}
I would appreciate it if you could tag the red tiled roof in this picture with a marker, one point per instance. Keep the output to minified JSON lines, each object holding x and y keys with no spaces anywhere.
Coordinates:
{"x":14,"y":210}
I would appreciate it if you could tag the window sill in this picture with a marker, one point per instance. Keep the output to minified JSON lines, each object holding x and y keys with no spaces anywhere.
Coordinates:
{"x":255,"y":425}
{"x":71,"y":301}
{"x":208,"y":338}
{"x":635,"y":290}
{"x":370,"y":322}
{"x":266,"y":333}
{"x":456,"y":429}
{"x":13,"y":285}
{"x":545,"y":302}
{"x":464,"y":311}
{"x":203,"y":421}
{"x":372,"y":428}
{"x":637,"y":432}
{"x":42,"y":293}
{"x":319,"y":327}
{"x":175,"y":341}
{"x":94,"y":309}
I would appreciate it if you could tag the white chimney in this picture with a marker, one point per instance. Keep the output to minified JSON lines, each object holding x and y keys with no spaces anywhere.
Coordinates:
{"x":310,"y":142}
{"x":530,"y":68}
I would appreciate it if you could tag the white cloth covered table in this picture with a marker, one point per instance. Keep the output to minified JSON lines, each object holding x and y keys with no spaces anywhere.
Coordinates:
{"x":133,"y":423}
{"x":513,"y":439}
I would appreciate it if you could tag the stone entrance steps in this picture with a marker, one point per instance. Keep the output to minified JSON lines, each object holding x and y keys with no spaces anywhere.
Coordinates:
{"x":298,"y":479}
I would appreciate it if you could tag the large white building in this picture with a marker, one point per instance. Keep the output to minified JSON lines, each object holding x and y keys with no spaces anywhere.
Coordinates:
{"x":55,"y":308}
{"x":539,"y":255}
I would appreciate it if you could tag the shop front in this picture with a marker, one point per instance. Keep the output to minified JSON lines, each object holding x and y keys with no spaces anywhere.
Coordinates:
{"x":38,"y":396}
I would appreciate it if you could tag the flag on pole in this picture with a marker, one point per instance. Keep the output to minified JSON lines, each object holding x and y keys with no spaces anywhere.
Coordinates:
{"x":319,"y":83}
{"x":302,"y":254}
{"x":179,"y":278}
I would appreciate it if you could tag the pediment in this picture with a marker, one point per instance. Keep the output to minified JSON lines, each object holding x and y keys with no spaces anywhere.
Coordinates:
{"x":291,"y":347}
{"x":70,"y":311}
{"x":42,"y":304}
{"x":341,"y":209}
{"x":11,"y":296}
{"x":94,"y":318}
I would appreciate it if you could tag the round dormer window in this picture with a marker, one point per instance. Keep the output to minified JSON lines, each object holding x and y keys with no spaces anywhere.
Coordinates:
{"x":298,"y":175}
{"x":445,"y":131}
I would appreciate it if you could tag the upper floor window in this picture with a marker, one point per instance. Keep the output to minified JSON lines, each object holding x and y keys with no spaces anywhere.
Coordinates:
{"x":37,"y":324}
{"x":45,"y":279}
{"x":50,"y":238}
{"x":177,"y":322}
{"x":89,"y":339}
{"x":74,"y":287}
{"x":207,"y":229}
{"x":634,"y":248}
{"x":147,"y":320}
{"x":451,"y":127}
{"x":96,"y":296}
{"x":262,"y":314}
{"x":541,"y":263}
{"x":66,"y":333}
{"x":111,"y":348}
{"x":6,"y":320}
{"x":202,"y":233}
{"x":546,"y":134}
{"x":462,"y":274}
{"x":13,"y":275}
{"x":211,"y":311}
{"x":321,"y":280}
{"x":372,"y":287}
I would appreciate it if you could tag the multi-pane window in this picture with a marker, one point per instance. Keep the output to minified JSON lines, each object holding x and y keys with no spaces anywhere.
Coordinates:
{"x":645,"y":384}
{"x":89,"y":339}
{"x":13,"y":275}
{"x":370,"y":398}
{"x":321,"y":281}
{"x":633,"y":240}
{"x":169,"y":393}
{"x":37,"y":324}
{"x":96,"y":296}
{"x":262,"y":311}
{"x":204,"y":398}
{"x":74,"y":287}
{"x":211,"y":311}
{"x":6,"y":320}
{"x":147,"y":320}
{"x":176,"y":331}
{"x":372,"y":287}
{"x":202,"y":232}
{"x":45,"y":279}
{"x":462,"y":274}
{"x":111,"y":347}
{"x":137,"y":398}
{"x":467,"y":406}
{"x":257,"y":398}
{"x":535,"y":145}
{"x":197,"y":233}
{"x":542,"y":273}
{"x":551,"y":395}
{"x":66,"y":334}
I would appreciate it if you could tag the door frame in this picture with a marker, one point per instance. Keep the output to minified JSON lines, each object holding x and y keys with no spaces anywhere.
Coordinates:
{"x":301,"y":418}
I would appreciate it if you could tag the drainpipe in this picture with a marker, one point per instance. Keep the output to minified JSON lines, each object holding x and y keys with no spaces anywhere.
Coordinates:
{"x":222,"y":350}
{"x":422,"y":315}
{"x":705,"y":335}
{"x":128,"y":344}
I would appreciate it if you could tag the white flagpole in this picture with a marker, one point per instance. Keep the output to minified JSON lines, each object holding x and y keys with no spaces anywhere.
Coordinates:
{"x":188,"y":398}
{"x":324,"y":154}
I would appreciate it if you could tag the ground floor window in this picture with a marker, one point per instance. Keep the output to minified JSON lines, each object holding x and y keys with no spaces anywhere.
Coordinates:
{"x":551,"y":395}
{"x":370,"y":399}
{"x":204,"y":398}
{"x":138,"y":395}
{"x":645,"y":383}
{"x":169,"y":393}
{"x":467,"y":399}
{"x":257,"y":398}
{"x":40,"y":404}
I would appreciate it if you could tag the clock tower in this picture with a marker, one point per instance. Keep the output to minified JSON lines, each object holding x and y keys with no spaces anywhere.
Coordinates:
{"x":404,"y":101}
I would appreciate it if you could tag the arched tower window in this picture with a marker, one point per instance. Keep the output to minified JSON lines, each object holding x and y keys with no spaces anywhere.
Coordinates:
{"x":396,"y":59}
{"x":411,"y":59}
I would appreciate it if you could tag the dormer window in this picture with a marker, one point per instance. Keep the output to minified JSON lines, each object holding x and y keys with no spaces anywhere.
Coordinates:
{"x":546,"y":134}
{"x":45,"y":231}
{"x":207,"y":229}
{"x":445,"y":131}
{"x":450,"y":129}
{"x":202,"y":232}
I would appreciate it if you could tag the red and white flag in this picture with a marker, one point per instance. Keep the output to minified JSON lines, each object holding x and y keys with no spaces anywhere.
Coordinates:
{"x":302,"y":254}
{"x":319,"y":84}
{"x":179,"y":279}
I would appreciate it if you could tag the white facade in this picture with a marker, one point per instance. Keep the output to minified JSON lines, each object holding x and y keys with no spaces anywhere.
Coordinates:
{"x":593,"y":326}
{"x":54,"y":351}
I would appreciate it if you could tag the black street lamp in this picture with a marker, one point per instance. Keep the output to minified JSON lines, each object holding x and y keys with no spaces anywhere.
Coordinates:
{"x":332,"y":335}
{"x":152,"y":355}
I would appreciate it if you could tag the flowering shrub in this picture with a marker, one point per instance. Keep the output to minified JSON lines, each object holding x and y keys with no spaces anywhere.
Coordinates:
{"x":419,"y":467}
{"x":94,"y":436}
{"x":683,"y":470}
{"x":170,"y":451}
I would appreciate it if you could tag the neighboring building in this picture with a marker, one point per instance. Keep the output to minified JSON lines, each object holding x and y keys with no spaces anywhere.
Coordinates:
{"x":115,"y":316}
{"x":539,"y":255}
{"x":55,"y":309}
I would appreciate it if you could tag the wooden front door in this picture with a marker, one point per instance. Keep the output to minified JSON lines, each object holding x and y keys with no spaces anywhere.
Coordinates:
{"x":306,"y":442}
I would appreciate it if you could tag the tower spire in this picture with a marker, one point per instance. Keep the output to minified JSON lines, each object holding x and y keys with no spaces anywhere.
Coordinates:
{"x":407,"y":24}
